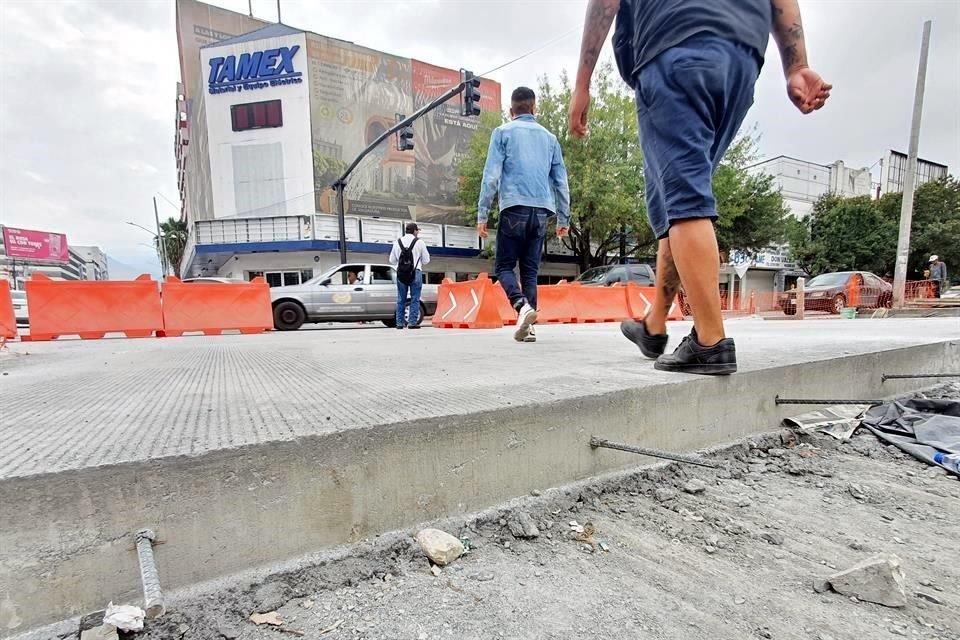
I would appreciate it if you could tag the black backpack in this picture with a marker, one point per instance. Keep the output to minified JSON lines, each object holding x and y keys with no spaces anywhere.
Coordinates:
{"x":406,"y":268}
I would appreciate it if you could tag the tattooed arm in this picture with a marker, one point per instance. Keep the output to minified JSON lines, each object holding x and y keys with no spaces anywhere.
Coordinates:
{"x":805,"y":87}
{"x":600,"y":15}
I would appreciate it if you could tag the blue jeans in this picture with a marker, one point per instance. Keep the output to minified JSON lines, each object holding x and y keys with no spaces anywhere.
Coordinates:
{"x":413,"y":289}
{"x":691,"y":100}
{"x":520,"y":235}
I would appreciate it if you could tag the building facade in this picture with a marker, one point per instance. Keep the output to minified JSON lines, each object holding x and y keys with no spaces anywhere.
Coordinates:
{"x":268,"y":118}
{"x":80,"y":263}
{"x":893,"y":166}
{"x":802,"y":183}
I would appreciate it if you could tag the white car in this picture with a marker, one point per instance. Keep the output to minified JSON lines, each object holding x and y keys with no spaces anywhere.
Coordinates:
{"x":348,"y":293}
{"x":20,"y":310}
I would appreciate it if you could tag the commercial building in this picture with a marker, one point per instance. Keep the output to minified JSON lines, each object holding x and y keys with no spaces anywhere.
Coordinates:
{"x":268,"y":116}
{"x":893,"y":166}
{"x":49,"y":254}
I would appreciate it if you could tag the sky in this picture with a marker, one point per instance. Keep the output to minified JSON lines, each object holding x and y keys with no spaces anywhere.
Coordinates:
{"x":87,"y":97}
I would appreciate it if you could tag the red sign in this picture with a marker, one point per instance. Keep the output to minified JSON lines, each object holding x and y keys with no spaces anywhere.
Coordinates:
{"x":35,"y":245}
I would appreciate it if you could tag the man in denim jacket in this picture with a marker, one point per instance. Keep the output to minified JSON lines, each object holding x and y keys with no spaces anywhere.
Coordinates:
{"x":525,"y":166}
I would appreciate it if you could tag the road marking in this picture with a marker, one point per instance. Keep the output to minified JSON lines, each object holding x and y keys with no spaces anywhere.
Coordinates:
{"x":453,"y":303}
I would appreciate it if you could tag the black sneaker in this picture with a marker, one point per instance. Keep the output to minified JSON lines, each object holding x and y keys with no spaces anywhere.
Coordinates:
{"x":651,"y":346}
{"x":693,"y":357}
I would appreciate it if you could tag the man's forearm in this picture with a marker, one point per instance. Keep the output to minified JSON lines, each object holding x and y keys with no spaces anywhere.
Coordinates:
{"x":600,"y":15}
{"x":787,"y":30}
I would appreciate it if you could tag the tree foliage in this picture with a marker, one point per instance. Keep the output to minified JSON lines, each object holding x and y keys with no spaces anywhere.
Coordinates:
{"x":174,"y":233}
{"x":844,"y":234}
{"x":607,"y":180}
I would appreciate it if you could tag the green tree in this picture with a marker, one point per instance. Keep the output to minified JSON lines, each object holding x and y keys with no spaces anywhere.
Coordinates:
{"x":844,"y":234}
{"x":471,"y":165}
{"x":936,"y":225}
{"x":174,"y":233}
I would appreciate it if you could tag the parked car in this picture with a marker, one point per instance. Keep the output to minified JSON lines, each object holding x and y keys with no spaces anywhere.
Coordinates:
{"x":833,"y":292}
{"x":347,"y":293}
{"x":216,"y":280}
{"x":20,"y":311}
{"x":610,"y":274}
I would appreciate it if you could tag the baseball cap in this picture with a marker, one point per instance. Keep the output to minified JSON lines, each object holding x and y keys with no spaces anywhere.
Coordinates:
{"x":934,"y":258}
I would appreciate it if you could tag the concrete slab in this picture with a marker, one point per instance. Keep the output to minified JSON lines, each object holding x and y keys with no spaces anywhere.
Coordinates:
{"x":246,"y":450}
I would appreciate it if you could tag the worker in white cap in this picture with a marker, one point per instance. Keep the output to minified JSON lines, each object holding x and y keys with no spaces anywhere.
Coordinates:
{"x":938,"y":273}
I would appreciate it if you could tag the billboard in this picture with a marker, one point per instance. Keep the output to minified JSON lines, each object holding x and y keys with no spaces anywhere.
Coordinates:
{"x":35,"y":245}
{"x":355,"y":95}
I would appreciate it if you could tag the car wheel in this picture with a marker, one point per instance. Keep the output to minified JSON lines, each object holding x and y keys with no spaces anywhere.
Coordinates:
{"x":423,"y":314}
{"x":288,"y":316}
{"x":391,"y":323}
{"x":839,"y":303}
{"x":790,"y":310}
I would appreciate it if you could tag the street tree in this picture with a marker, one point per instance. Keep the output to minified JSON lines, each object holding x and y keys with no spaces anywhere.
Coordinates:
{"x":174,"y":233}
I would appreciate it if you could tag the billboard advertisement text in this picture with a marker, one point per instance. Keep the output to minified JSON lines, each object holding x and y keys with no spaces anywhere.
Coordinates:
{"x":35,"y":245}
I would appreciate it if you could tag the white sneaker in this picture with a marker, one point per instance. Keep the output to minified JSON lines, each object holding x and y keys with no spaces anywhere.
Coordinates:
{"x":531,"y":334}
{"x":525,"y":320}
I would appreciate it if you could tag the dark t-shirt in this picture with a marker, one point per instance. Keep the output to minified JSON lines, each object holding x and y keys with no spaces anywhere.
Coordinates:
{"x":661,"y":24}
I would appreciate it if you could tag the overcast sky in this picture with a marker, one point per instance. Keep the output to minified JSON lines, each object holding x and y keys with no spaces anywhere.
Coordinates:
{"x":87,"y":91}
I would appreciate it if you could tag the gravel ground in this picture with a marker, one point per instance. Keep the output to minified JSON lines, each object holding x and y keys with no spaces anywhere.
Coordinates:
{"x":677,"y":552}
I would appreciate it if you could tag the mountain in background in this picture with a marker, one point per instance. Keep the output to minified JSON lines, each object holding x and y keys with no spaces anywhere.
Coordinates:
{"x":123,"y":271}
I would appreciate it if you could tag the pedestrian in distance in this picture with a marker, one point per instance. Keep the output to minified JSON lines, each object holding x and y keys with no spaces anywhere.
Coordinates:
{"x":409,"y":255}
{"x":693,"y":65}
{"x":938,"y":273}
{"x":525,"y":167}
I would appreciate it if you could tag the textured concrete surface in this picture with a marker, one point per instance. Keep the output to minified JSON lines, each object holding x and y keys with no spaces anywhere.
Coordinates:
{"x":248,"y":450}
{"x":79,"y":404}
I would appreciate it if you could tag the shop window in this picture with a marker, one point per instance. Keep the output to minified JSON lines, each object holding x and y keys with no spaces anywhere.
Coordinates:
{"x":256,"y":115}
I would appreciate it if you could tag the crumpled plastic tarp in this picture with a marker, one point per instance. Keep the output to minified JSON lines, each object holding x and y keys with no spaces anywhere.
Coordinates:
{"x":124,"y":617}
{"x":922,"y":427}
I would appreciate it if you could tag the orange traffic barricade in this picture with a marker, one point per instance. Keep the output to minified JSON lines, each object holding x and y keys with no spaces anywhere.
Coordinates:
{"x":91,"y":309}
{"x":600,"y":304}
{"x":469,"y":305}
{"x":640,"y":301}
{"x":215,"y":307}
{"x":508,"y":315}
{"x":8,"y":320}
{"x":556,"y":303}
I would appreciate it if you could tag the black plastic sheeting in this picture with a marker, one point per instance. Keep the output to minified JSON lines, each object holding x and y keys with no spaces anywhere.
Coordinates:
{"x":922,"y":427}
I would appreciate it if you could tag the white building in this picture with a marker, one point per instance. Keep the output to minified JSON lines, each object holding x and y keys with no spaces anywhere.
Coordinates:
{"x":893,"y":166}
{"x":94,"y":262}
{"x":802,"y":182}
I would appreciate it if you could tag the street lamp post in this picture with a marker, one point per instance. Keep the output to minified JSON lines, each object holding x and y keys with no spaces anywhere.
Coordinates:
{"x":159,"y":245}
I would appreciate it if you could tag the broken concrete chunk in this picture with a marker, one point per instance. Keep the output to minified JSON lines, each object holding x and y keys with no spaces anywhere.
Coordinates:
{"x":879,"y":579}
{"x":229,"y":630}
{"x":270,"y":597}
{"x":664,"y":494}
{"x":103,"y":632}
{"x":271,"y":618}
{"x":522,"y":525}
{"x":696,"y":485}
{"x":440,"y":546}
{"x":821,"y":585}
{"x":772,"y":538}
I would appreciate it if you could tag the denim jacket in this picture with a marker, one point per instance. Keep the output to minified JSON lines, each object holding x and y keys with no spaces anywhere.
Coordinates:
{"x":525,"y":165}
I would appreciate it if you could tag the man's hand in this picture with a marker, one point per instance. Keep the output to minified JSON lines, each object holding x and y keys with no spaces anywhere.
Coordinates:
{"x":482,"y":229}
{"x":807,"y":90}
{"x":579,"y":106}
{"x":563,"y":232}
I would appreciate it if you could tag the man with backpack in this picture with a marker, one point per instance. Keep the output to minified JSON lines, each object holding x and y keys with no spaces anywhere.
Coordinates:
{"x":409,"y":255}
{"x":693,"y":65}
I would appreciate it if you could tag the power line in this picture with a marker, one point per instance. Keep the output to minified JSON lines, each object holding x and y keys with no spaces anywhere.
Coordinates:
{"x":566,"y":34}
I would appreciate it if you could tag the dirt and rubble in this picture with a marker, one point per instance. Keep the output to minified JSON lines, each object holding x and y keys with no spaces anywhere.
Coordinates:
{"x":665,"y":552}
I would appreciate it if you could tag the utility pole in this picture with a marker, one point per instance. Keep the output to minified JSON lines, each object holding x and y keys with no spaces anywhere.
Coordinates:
{"x":250,"y":7}
{"x":161,"y":245}
{"x":910,"y":179}
{"x":279,"y":21}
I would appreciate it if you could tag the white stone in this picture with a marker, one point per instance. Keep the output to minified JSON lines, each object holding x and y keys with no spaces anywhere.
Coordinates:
{"x":440,"y":546}
{"x":879,"y":579}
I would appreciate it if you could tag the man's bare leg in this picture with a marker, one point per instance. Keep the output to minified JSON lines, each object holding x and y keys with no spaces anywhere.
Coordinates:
{"x":668,"y":285}
{"x":693,"y":247}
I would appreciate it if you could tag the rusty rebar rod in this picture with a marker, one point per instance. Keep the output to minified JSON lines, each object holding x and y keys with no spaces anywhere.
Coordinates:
{"x":653,"y":453}
{"x":824,"y":401}
{"x":910,"y":376}
{"x":152,"y":595}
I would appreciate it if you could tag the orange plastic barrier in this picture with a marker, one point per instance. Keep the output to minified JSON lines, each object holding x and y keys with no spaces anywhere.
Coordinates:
{"x":600,"y":304}
{"x":508,"y":315}
{"x":475,"y":304}
{"x":215,"y":307}
{"x":640,"y":301}
{"x":557,"y":303}
{"x":8,"y":321}
{"x":91,"y":309}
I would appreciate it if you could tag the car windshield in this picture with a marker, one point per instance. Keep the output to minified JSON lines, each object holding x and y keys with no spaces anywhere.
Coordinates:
{"x":19,"y":295}
{"x":829,"y":280}
{"x":597,"y":274}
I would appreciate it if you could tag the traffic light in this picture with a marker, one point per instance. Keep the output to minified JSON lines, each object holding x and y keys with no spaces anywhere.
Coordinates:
{"x":471,"y":94}
{"x":404,"y":136}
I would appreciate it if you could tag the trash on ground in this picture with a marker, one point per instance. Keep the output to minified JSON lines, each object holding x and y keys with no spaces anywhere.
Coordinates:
{"x":440,"y":546}
{"x":124,"y":617}
{"x":922,"y":427}
{"x":839,"y":421}
{"x":271,"y":618}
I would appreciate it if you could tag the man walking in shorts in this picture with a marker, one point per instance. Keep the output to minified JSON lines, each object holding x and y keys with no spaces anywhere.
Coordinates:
{"x":695,"y":63}
{"x":525,"y":167}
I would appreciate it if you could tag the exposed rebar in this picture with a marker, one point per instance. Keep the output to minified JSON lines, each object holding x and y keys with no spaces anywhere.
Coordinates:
{"x":653,"y":453}
{"x":824,"y":401}
{"x":152,"y":595}
{"x":909,"y":376}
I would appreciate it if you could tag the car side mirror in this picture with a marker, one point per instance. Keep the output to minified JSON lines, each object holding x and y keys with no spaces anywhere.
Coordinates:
{"x":326,"y":282}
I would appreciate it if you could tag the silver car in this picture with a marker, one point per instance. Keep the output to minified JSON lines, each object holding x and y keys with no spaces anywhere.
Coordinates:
{"x":20,"y":311}
{"x":348,"y":293}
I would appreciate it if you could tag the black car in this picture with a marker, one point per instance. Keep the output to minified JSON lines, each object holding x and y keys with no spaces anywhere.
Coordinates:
{"x":605,"y":276}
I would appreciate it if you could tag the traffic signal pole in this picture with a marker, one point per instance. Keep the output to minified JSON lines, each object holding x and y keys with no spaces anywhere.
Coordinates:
{"x":341,"y":183}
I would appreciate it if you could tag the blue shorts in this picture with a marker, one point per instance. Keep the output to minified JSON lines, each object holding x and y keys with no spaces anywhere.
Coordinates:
{"x":691,"y":101}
